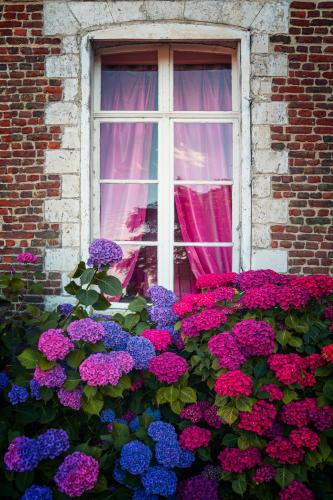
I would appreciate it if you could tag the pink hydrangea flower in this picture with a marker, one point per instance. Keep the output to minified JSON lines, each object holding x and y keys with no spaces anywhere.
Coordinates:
{"x":258,"y":278}
{"x":71,"y":399}
{"x":264,"y":474}
{"x":215,"y":280}
{"x":100,"y":369}
{"x":238,"y":461}
{"x":234,"y":383}
{"x":193,"y":302}
{"x":264,"y":297}
{"x":304,"y":437}
{"x":77,"y":474}
{"x":55,"y":377}
{"x":284,"y":451}
{"x":203,"y":321}
{"x":295,"y":413}
{"x":255,"y":338}
{"x":327,"y":353}
{"x":161,"y":339}
{"x":226,"y":348}
{"x":87,"y":330}
{"x":296,"y":491}
{"x":316,"y":286}
{"x":122,"y":359}
{"x":192,"y":412}
{"x":211,"y":417}
{"x":26,"y":258}
{"x":259,"y":419}
{"x":292,"y":369}
{"x":168,"y":367}
{"x":54,"y":345}
{"x":194,"y":437}
{"x":274,"y":391}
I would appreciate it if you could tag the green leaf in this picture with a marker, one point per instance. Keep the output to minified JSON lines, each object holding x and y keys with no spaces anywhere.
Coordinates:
{"x":101,"y":485}
{"x":28,"y":358}
{"x":239,"y":485}
{"x":71,"y":383}
{"x":244,"y":404}
{"x":75,"y":358}
{"x":263,"y":395}
{"x":44,"y":364}
{"x":24,"y":480}
{"x":229,"y":440}
{"x":109,"y":285}
{"x":93,"y":405}
{"x":228,"y":413}
{"x":101,"y":304}
{"x":324,"y":371}
{"x":284,"y":477}
{"x":188,"y":395}
{"x":289,"y":395}
{"x":177,"y":406}
{"x":171,"y":394}
{"x":296,"y":324}
{"x":138,"y":304}
{"x":87,"y":275}
{"x":283,"y":337}
{"x":160,"y":396}
{"x":89,"y":391}
{"x":260,"y":368}
{"x":328,"y":389}
{"x":72,"y":288}
{"x":243,"y":442}
{"x":121,"y":434}
{"x":131,"y":320}
{"x":79,"y":270}
{"x":140,"y":327}
{"x":87,"y":297}
{"x":295,"y":341}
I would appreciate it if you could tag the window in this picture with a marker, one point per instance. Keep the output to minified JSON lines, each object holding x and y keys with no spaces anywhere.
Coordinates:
{"x":166,"y":177}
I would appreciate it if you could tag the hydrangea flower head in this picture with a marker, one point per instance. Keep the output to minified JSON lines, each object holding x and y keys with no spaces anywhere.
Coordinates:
{"x":234,"y":383}
{"x":273,"y":390}
{"x":100,"y":369}
{"x":26,"y":258}
{"x":141,"y":350}
{"x":107,"y":416}
{"x":186,"y":459}
{"x":4,"y":381}
{"x":235,"y":460}
{"x":122,"y":359}
{"x":161,"y":339}
{"x":22,"y":455}
{"x":115,"y":338}
{"x":65,"y":309}
{"x":226,"y":348}
{"x":54,"y":345}
{"x":86,"y":329}
{"x":194,"y":437}
{"x":54,"y":377}
{"x":255,"y":338}
{"x":203,"y":321}
{"x":192,"y":412}
{"x":35,"y":389}
{"x":52,"y":443}
{"x":135,"y":457}
{"x":168,"y":453}
{"x":140,"y":494}
{"x":296,"y":491}
{"x":71,"y":399}
{"x":168,"y":367}
{"x":264,"y":474}
{"x":104,"y":252}
{"x":284,"y":451}
{"x":35,"y":492}
{"x":77,"y":474}
{"x":161,"y":297}
{"x":162,"y":316}
{"x":159,"y":481}
{"x":304,"y":437}
{"x":258,"y":278}
{"x":17,"y":394}
{"x":162,"y":431}
{"x":259,"y":419}
{"x":198,"y":488}
{"x":214,"y":280}
{"x":327,"y":353}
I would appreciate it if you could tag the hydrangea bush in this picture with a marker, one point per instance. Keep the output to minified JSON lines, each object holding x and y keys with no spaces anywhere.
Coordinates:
{"x":224,"y":393}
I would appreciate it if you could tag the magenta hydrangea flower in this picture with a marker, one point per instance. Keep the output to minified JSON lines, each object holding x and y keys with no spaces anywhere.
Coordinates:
{"x":100,"y":369}
{"x":192,"y":412}
{"x":168,"y":367}
{"x":204,"y":320}
{"x":304,"y":437}
{"x":215,"y":280}
{"x":55,"y":377}
{"x":26,"y":258}
{"x":264,"y":474}
{"x":104,"y":252}
{"x":71,"y":399}
{"x":54,"y":345}
{"x":259,"y":419}
{"x":273,"y":390}
{"x":123,"y":359}
{"x":296,"y":491}
{"x":234,"y":383}
{"x":198,"y":488}
{"x":77,"y":474}
{"x":236,"y":460}
{"x":161,"y":339}
{"x":284,"y":451}
{"x":226,"y":348}
{"x":194,"y":437}
{"x":255,"y":338}
{"x":87,"y":330}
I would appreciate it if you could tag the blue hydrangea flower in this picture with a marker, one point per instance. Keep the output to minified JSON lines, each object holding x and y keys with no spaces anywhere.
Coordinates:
{"x":163,"y":316}
{"x":119,"y":474}
{"x":186,"y":459}
{"x":116,"y":338}
{"x":141,"y":350}
{"x":159,"y":481}
{"x":107,"y":416}
{"x":37,"y":493}
{"x":155,"y":414}
{"x":97,"y":317}
{"x":140,"y":494}
{"x":65,"y":309}
{"x":17,"y":394}
{"x":22,"y":455}
{"x":35,"y":389}
{"x":104,"y":252}
{"x":168,"y":453}
{"x":52,"y":443}
{"x":4,"y":381}
{"x":134,"y":424}
{"x":162,"y":431}
{"x":135,"y":457}
{"x":161,"y":297}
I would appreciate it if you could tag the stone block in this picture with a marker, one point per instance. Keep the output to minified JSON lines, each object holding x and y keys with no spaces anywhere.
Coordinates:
{"x":203,"y":10}
{"x":64,"y":210}
{"x":274,"y":259}
{"x":269,"y":113}
{"x":122,"y":12}
{"x":70,"y":45}
{"x":65,"y":66}
{"x":261,"y":236}
{"x":71,"y":88}
{"x":164,"y":9}
{"x":266,"y":211}
{"x":261,"y":137}
{"x":92,"y":13}
{"x":62,"y":161}
{"x":259,"y":43}
{"x":238,"y":12}
{"x":261,"y":88}
{"x":58,"y":19}
{"x":70,"y":234}
{"x":61,"y":259}
{"x":269,"y":64}
{"x":273,"y":17}
{"x":261,"y":186}
{"x":70,"y":186}
{"x":63,"y":113}
{"x":268,"y":161}
{"x":70,"y":138}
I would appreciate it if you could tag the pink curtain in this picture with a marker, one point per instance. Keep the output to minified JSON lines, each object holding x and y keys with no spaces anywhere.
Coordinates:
{"x":125,"y":153}
{"x":203,"y":151}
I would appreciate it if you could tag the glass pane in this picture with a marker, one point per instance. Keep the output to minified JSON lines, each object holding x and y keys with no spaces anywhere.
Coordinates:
{"x":202,"y":81}
{"x":203,"y":213}
{"x":203,"y":151}
{"x":128,"y":151}
{"x":192,"y":262}
{"x":129,"y":82}
{"x":129,"y":211}
{"x":138,"y":270}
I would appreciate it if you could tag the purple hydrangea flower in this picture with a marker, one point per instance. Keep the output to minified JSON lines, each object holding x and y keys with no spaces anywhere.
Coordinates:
{"x":36,"y":492}
{"x":54,"y":377}
{"x":104,"y":252}
{"x":17,"y":394}
{"x":123,"y":360}
{"x":87,"y":330}
{"x":22,"y":455}
{"x":100,"y":369}
{"x":4,"y":381}
{"x":116,"y":338}
{"x":52,"y":443}
{"x":77,"y":474}
{"x":161,"y":297}
{"x":54,"y":345}
{"x":65,"y":309}
{"x":135,"y":457}
{"x":141,"y":350}
{"x":159,"y":481}
{"x":35,"y":389}
{"x":71,"y":399}
{"x":200,"y":487}
{"x":26,"y":258}
{"x":163,"y":316}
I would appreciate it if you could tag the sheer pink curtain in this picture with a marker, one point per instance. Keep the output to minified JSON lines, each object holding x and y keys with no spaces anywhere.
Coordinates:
{"x":203,"y":151}
{"x":126,"y":154}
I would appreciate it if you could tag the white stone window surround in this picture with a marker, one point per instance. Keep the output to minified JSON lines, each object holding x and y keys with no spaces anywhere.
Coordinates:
{"x":155,"y":32}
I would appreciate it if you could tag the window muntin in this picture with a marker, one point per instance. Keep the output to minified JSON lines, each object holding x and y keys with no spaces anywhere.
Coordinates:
{"x":187,"y":169}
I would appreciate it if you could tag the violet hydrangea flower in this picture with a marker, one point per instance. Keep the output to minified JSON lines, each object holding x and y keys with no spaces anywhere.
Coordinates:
{"x":54,"y":345}
{"x":22,"y":455}
{"x":87,"y":330}
{"x":141,"y":350}
{"x":104,"y":252}
{"x":4,"y":381}
{"x":52,"y":443}
{"x":198,"y":487}
{"x":65,"y":309}
{"x":26,"y":258}
{"x":71,"y":399}
{"x":100,"y":369}
{"x":77,"y":474}
{"x":17,"y":395}
{"x":54,"y":377}
{"x":115,"y":338}
{"x":35,"y":492}
{"x":35,"y":389}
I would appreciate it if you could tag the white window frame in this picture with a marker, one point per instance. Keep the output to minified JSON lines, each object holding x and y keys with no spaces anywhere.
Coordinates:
{"x":239,"y":117}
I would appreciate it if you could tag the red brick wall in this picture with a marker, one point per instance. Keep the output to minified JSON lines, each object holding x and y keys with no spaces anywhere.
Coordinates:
{"x":308,"y":138}
{"x":24,"y":137}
